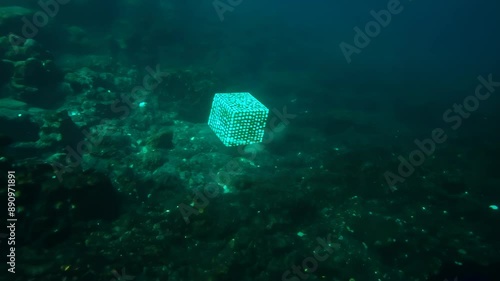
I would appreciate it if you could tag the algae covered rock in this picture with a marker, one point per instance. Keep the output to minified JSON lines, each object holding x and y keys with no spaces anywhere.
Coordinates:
{"x":163,"y":139}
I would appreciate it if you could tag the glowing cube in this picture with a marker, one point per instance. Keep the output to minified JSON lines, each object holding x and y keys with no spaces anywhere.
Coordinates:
{"x":238,"y":118}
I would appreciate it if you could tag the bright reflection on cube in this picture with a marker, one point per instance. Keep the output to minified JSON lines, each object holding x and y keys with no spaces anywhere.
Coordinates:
{"x":238,"y":118}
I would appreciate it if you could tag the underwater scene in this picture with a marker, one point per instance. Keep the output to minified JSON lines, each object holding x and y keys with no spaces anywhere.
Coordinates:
{"x":249,"y":140}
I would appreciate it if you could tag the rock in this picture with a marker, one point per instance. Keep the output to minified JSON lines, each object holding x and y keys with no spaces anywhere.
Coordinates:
{"x":11,"y":18}
{"x":17,"y":48}
{"x":6,"y":71}
{"x":12,"y":104}
{"x":31,"y":71}
{"x":163,"y":139}
{"x":81,"y":80}
{"x":34,"y":81}
{"x":16,"y":122}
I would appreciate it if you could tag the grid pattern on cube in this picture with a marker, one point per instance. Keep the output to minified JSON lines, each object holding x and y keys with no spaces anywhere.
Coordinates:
{"x":219,"y":117}
{"x":247,"y":127}
{"x":238,"y":118}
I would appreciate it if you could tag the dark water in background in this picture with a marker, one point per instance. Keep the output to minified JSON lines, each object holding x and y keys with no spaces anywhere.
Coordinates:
{"x":325,"y":174}
{"x":441,"y":41}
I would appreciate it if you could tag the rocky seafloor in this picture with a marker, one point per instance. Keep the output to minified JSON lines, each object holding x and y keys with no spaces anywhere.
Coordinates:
{"x":118,"y":176}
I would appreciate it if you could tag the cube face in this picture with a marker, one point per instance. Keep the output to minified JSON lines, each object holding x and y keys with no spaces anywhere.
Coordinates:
{"x":238,"y":118}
